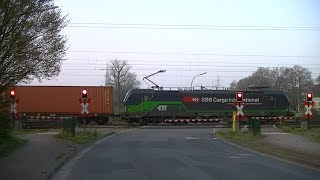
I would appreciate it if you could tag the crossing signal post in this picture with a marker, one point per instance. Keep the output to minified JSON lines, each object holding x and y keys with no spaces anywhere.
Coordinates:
{"x":308,"y":103}
{"x":84,"y":102}
{"x":13,"y":105}
{"x":239,"y":105}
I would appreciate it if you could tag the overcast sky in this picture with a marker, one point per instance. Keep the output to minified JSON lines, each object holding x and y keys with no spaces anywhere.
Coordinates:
{"x":225,"y":38}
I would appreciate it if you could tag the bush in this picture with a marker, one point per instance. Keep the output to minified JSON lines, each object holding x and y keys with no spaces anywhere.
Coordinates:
{"x":5,"y":127}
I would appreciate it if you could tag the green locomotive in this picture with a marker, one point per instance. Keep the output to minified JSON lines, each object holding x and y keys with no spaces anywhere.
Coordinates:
{"x":157,"y":105}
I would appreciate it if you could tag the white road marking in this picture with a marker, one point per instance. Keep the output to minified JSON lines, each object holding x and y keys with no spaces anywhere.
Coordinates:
{"x":235,"y":157}
{"x":244,"y":154}
{"x":191,"y":138}
{"x":126,"y":130}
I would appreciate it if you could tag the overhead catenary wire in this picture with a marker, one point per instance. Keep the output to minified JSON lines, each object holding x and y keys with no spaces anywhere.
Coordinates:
{"x":194,"y":54}
{"x":190,"y":27}
{"x":180,"y":65}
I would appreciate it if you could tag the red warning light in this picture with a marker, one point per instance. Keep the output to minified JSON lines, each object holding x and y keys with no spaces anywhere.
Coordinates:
{"x":12,"y":94}
{"x":309,"y":97}
{"x":84,"y":94}
{"x":239,"y":96}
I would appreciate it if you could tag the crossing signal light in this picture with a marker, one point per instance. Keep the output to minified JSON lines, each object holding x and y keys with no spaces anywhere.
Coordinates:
{"x":12,"y":94}
{"x":309,"y":97}
{"x":84,"y":94}
{"x":239,"y":96}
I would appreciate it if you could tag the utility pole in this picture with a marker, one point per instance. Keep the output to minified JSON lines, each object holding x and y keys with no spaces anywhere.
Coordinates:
{"x":218,"y":82}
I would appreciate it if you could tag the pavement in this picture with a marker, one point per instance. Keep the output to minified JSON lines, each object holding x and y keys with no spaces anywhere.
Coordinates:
{"x":175,"y":154}
{"x":34,"y":160}
{"x":40,"y":157}
{"x":153,"y":154}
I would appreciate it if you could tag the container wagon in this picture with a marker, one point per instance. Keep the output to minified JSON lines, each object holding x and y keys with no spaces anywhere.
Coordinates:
{"x":64,"y":101}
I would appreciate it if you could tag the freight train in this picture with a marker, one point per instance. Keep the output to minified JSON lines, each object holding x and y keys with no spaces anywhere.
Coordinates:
{"x":148,"y":105}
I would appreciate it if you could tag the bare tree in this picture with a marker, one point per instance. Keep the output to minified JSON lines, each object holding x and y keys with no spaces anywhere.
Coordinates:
{"x":317,"y":81}
{"x":261,"y":77}
{"x":316,"y":88}
{"x":233,"y":85}
{"x":31,"y":42}
{"x":119,"y":76}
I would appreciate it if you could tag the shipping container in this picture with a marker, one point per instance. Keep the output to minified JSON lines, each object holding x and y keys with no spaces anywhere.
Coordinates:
{"x":63,"y":100}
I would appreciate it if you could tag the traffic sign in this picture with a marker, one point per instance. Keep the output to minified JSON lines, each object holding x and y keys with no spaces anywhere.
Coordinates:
{"x":13,"y":108}
{"x":308,"y":114}
{"x":84,"y":103}
{"x":84,"y":108}
{"x":239,"y":108}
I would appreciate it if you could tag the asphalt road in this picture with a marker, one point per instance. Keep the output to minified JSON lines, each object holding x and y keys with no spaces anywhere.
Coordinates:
{"x":159,"y":154}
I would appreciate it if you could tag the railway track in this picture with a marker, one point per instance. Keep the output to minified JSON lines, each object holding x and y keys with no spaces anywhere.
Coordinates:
{"x":46,"y":124}
{"x":162,"y":125}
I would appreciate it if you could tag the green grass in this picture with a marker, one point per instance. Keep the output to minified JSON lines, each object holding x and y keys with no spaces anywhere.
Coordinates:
{"x":241,"y":137}
{"x":312,"y":134}
{"x":257,"y":143}
{"x":82,"y":137}
{"x":9,"y":144}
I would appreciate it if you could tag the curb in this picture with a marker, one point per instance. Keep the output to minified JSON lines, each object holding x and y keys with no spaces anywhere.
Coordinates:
{"x":264,"y":153}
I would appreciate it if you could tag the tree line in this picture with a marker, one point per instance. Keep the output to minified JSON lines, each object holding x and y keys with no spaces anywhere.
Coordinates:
{"x":32,"y":46}
{"x":295,"y":81}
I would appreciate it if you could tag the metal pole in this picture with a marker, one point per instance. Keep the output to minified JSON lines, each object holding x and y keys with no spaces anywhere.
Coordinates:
{"x":308,"y":119}
{"x":84,"y":117}
{"x":195,"y":77}
{"x":239,"y":118}
{"x":13,"y":99}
